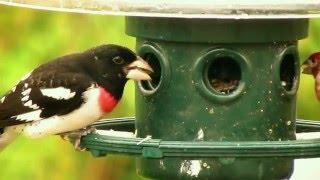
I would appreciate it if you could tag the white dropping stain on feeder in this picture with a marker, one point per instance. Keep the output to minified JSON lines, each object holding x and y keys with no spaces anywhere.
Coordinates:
{"x":111,"y":132}
{"x":205,"y":165}
{"x":283,"y":83}
{"x":200,"y":134}
{"x":288,"y":123}
{"x":147,"y":138}
{"x":261,"y":110}
{"x":211,"y":111}
{"x":191,"y":167}
{"x":270,"y":131}
{"x":162,"y":166}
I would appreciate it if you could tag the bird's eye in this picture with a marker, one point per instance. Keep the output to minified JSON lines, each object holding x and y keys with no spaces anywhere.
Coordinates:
{"x":118,"y":60}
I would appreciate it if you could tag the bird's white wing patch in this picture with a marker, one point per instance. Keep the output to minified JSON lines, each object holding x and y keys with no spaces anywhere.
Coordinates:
{"x":25,"y":98}
{"x":26,"y":76}
{"x":31,"y":105}
{"x":14,"y":89}
{"x":26,"y":92}
{"x":30,"y":116}
{"x":58,"y":93}
{"x":2,"y":99}
{"x":28,"y":103}
{"x":87,"y":113}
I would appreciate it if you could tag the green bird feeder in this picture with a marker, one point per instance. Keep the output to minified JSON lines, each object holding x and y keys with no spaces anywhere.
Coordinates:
{"x":222,"y":101}
{"x":218,"y":81}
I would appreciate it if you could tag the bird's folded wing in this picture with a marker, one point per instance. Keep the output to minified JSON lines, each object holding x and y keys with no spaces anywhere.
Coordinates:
{"x":43,"y":95}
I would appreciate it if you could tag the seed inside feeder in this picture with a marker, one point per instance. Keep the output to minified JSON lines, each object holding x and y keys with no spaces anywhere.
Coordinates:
{"x":224,"y":75}
{"x":224,"y":86}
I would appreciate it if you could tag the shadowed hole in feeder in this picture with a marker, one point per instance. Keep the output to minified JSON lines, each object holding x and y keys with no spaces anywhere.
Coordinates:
{"x":287,"y":72}
{"x":224,"y":75}
{"x":153,"y":61}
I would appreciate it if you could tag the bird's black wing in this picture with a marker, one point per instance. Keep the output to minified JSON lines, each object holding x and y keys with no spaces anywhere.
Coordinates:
{"x":43,"y":94}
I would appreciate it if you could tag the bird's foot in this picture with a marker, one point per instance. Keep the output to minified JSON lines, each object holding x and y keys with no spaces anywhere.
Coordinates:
{"x":75,"y":137}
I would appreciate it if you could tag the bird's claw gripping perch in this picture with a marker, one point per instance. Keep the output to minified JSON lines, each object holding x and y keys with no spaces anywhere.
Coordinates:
{"x":75,"y":137}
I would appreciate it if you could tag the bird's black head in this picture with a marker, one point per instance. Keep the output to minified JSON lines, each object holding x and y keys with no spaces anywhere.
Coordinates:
{"x":114,"y":65}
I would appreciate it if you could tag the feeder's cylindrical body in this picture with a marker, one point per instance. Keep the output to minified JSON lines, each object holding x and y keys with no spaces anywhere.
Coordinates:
{"x":217,"y":80}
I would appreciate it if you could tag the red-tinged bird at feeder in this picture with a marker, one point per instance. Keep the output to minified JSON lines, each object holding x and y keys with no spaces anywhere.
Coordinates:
{"x":312,"y":66}
{"x":69,"y":93}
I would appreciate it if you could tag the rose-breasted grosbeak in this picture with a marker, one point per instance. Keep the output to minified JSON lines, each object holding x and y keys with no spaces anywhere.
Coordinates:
{"x":312,"y":66}
{"x":69,"y":93}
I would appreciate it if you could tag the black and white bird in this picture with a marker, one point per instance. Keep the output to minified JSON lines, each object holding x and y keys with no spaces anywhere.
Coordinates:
{"x":69,"y":93}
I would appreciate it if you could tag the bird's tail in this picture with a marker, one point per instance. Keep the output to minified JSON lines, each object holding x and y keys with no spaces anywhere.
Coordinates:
{"x":7,"y":137}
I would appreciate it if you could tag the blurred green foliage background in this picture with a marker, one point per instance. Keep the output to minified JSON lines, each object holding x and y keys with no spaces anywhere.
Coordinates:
{"x":30,"y":37}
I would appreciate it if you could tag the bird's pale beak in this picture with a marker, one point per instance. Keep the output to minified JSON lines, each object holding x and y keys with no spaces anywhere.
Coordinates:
{"x":138,"y":70}
{"x":307,"y":66}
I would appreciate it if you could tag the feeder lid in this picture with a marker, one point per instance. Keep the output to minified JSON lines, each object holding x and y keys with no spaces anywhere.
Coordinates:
{"x":222,"y":9}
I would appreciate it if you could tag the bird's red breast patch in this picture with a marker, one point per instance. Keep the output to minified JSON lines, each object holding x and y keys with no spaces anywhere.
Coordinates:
{"x":315,"y":56}
{"x":106,"y":100}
